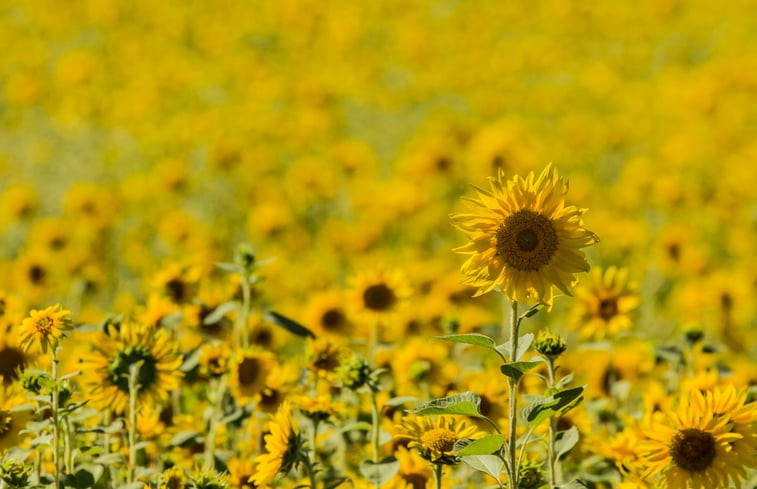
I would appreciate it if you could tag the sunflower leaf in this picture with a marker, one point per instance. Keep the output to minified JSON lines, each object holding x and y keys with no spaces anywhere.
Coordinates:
{"x":288,"y":324}
{"x":466,"y":403}
{"x":516,"y":370}
{"x":565,"y":441}
{"x":379,"y":473}
{"x":219,"y":312}
{"x":541,"y":410}
{"x":488,"y":464}
{"x":486,"y":445}
{"x":524,"y":343}
{"x":471,"y":339}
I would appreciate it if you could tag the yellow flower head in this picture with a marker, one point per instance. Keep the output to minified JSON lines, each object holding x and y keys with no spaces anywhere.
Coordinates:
{"x":435,"y":439}
{"x":604,"y":304}
{"x":523,"y":238}
{"x":45,"y":327}
{"x":282,"y":445}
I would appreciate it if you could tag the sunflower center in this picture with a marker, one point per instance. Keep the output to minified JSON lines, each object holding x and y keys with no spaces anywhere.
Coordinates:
{"x":5,"y":422}
{"x":174,"y":483}
{"x":118,"y":370}
{"x":10,"y":360}
{"x":416,"y":481}
{"x":332,"y":319}
{"x":693,"y":450}
{"x":608,"y":308}
{"x":249,"y":371}
{"x":37,"y":274}
{"x":439,"y":440}
{"x":379,"y":297}
{"x":44,"y":324}
{"x":526,"y":240}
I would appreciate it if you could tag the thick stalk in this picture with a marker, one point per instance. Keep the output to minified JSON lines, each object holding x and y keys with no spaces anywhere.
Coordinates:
{"x":552,"y":428}
{"x":438,"y":472}
{"x":514,"y":323}
{"x":56,"y":433}
{"x":133,"y":391}
{"x":68,"y":458}
{"x":374,"y":426}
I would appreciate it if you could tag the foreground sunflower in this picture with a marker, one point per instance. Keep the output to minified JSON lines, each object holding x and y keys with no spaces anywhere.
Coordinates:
{"x":282,"y":446}
{"x":523,"y":238}
{"x":701,"y":446}
{"x":106,"y":370}
{"x":44,"y":327}
{"x":435,"y":439}
{"x":604,"y":304}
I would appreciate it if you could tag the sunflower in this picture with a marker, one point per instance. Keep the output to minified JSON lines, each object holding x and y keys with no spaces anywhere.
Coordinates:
{"x":214,"y":360}
{"x":708,"y":442}
{"x":435,"y":439}
{"x":523,"y":238}
{"x":248,"y":374}
{"x":241,"y":471}
{"x":45,"y":327}
{"x":282,"y":445}
{"x":12,"y":418}
{"x":106,"y":370}
{"x":173,"y":478}
{"x":379,"y":293}
{"x":327,"y":316}
{"x":604,"y":304}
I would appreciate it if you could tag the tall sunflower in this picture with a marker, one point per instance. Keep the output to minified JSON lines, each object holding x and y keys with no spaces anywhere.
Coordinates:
{"x":708,"y":442}
{"x":523,"y":238}
{"x":605,"y":303}
{"x":44,"y":327}
{"x":282,"y":445}
{"x":106,"y":370}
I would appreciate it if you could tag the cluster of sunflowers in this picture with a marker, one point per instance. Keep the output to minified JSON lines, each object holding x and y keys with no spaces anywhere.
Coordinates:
{"x":343,"y":343}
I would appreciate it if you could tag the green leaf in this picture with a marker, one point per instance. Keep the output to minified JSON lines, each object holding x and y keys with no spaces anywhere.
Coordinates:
{"x":288,"y":324}
{"x":565,"y":441}
{"x":516,"y":370}
{"x":333,"y":484}
{"x":110,"y":459}
{"x":358,"y":426}
{"x":400,"y":400}
{"x":574,"y":484}
{"x":483,"y":446}
{"x":379,"y":473}
{"x":565,"y":381}
{"x":71,"y":375}
{"x":183,"y":437}
{"x":532,"y":311}
{"x":466,"y":403}
{"x":471,"y":339}
{"x":230,"y":267}
{"x":82,"y":479}
{"x":488,"y":464}
{"x":41,"y":440}
{"x":219,"y":312}
{"x":539,"y":411}
{"x":524,"y":343}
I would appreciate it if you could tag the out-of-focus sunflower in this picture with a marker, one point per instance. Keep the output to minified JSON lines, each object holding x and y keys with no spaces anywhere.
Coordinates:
{"x":214,"y":360}
{"x":12,"y":356}
{"x":699,"y":447}
{"x":173,"y":478}
{"x":44,"y":327}
{"x":241,"y":470}
{"x":327,"y":315}
{"x":324,"y":356}
{"x":604,"y":304}
{"x":378,"y":294}
{"x":280,"y":383}
{"x":319,"y":407}
{"x":414,"y":472}
{"x":282,"y":446}
{"x":435,"y":439}
{"x":523,"y":238}
{"x":106,"y":370}
{"x":12,"y":421}
{"x":249,"y":371}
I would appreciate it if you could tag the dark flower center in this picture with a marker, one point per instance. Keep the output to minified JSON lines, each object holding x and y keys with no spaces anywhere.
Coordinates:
{"x":693,"y":450}
{"x":526,"y":240}
{"x":118,"y":370}
{"x":11,"y":359}
{"x":37,"y":274}
{"x":249,"y":371}
{"x":608,"y":308}
{"x":379,"y":297}
{"x":333,"y":319}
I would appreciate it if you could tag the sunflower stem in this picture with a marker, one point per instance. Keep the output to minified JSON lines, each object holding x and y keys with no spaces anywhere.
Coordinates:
{"x":245,"y":310}
{"x":552,"y":427}
{"x":438,"y":473}
{"x":313,"y":437}
{"x":133,"y":391}
{"x":514,"y":323}
{"x":374,"y":426}
{"x":217,"y":392}
{"x":68,"y":459}
{"x":56,"y":427}
{"x":310,"y":470}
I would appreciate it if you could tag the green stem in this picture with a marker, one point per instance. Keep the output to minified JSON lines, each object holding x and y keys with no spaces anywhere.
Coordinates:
{"x":374,"y":426}
{"x":217,"y":391}
{"x":438,"y":473}
{"x":313,"y":437}
{"x":514,"y":323}
{"x":310,"y":470}
{"x":245,"y":310}
{"x":552,"y":427}
{"x":106,"y":440}
{"x":68,"y":459}
{"x":56,"y":433}
{"x":133,"y":391}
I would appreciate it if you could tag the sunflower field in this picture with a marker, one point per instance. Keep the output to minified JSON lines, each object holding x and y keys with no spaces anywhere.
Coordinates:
{"x":332,"y":245}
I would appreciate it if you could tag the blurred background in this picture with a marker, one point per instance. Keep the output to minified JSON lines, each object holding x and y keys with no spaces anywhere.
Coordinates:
{"x":139,"y":137}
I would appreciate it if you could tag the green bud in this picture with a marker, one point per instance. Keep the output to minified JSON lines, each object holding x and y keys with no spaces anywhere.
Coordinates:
{"x":530,"y":475}
{"x":245,"y":257}
{"x":694,"y":335}
{"x":549,"y":344}
{"x":353,"y":372}
{"x":15,"y":474}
